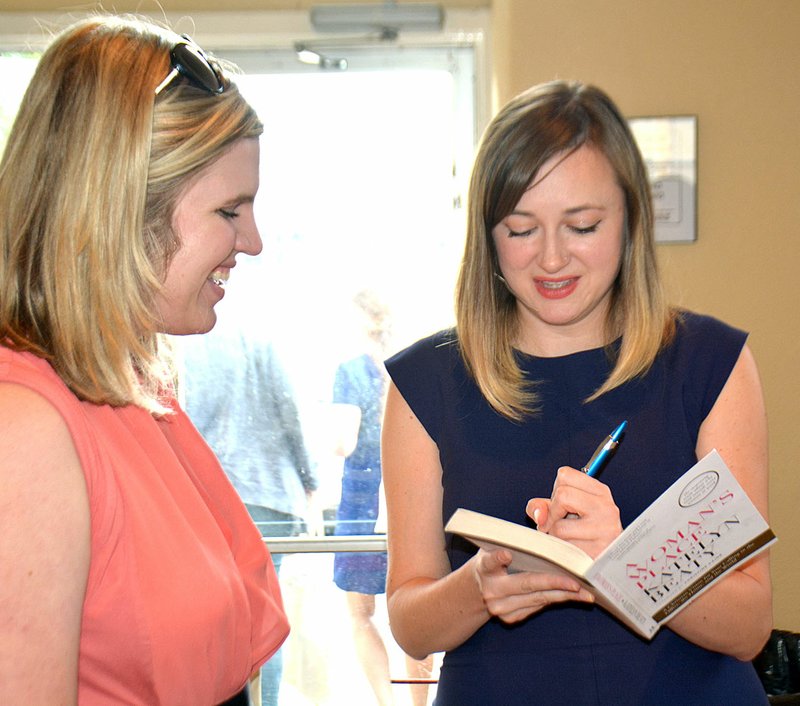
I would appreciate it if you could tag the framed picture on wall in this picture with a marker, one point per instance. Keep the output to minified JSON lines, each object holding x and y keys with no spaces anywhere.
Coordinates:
{"x":669,"y":148}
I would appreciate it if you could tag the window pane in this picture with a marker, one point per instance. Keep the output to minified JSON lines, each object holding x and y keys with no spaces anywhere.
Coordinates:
{"x":327,"y":660}
{"x":16,"y":69}
{"x":360,"y":210}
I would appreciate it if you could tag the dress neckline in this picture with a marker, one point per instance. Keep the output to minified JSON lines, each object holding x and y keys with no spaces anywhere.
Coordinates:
{"x":611,"y":348}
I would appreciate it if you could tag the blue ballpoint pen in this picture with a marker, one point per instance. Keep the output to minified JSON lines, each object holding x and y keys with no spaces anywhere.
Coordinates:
{"x":606,"y":448}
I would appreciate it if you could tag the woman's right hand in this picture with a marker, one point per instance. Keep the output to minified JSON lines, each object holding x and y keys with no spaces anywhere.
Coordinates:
{"x":513,"y":597}
{"x":581,"y":510}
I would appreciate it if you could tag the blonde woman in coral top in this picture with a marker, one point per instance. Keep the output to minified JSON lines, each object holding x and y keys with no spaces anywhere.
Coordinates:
{"x":131,"y":572}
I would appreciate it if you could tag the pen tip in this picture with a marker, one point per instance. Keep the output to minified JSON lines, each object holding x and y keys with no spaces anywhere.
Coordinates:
{"x":618,"y":431}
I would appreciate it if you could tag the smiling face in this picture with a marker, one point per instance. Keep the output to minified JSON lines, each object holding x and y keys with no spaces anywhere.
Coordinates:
{"x":560,"y":250}
{"x":214,"y":221}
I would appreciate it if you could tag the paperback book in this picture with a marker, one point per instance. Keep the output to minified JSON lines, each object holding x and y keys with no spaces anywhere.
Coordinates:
{"x":697,"y":531}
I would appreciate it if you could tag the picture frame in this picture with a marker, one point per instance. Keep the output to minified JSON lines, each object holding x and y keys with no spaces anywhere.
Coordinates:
{"x":669,"y":147}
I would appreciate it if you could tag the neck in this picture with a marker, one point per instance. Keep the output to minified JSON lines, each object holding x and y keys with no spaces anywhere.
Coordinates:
{"x":546,"y":341}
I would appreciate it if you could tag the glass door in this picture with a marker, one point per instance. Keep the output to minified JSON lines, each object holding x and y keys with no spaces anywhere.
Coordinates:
{"x":361,"y":210}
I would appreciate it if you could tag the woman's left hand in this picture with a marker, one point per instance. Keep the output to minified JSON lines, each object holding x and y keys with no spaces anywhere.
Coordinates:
{"x":581,"y":510}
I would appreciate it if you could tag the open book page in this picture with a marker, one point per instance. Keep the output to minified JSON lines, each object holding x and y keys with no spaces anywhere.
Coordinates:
{"x":695,"y":532}
{"x":531,"y":550}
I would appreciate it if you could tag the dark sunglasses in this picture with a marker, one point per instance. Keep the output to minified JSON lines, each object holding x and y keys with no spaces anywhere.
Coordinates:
{"x":190,"y":61}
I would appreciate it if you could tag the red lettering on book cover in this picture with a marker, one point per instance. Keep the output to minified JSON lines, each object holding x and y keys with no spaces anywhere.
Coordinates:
{"x":677,"y":559}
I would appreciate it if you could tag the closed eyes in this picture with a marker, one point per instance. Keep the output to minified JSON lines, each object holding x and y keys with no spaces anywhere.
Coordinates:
{"x":578,"y":230}
{"x":585,"y":230}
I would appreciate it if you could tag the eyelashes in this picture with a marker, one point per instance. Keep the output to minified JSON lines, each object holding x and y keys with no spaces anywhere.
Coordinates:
{"x":585,"y":230}
{"x":578,"y":230}
{"x":520,"y":234}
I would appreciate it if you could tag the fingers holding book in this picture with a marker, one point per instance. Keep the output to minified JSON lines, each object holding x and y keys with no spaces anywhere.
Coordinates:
{"x":580,"y":510}
{"x":513,"y":597}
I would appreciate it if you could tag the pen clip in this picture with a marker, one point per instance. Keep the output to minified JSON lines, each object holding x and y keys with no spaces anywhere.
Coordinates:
{"x":606,"y":446}
{"x":604,"y":450}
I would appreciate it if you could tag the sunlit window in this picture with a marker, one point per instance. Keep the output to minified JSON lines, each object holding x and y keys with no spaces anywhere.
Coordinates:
{"x":16,"y":68}
{"x":361,"y":213}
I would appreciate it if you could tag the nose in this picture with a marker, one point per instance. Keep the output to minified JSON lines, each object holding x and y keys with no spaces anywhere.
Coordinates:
{"x":554,"y":254}
{"x":249,"y":239}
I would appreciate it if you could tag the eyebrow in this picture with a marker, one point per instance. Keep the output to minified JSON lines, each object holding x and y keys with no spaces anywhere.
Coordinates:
{"x":569,"y":212}
{"x":585,"y":207}
{"x":242,"y":198}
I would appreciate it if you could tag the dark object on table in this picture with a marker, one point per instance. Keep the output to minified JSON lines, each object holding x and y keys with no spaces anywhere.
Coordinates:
{"x":778,"y":667}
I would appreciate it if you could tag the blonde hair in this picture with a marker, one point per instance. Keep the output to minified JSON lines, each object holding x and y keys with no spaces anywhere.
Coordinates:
{"x":544,"y":121}
{"x":93,"y":167}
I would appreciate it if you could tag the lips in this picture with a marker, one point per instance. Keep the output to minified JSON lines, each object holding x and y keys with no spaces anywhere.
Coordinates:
{"x":556,"y":288}
{"x":220,"y":277}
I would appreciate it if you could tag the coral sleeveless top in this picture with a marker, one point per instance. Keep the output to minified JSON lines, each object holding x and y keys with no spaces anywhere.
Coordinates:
{"x":182,"y":603}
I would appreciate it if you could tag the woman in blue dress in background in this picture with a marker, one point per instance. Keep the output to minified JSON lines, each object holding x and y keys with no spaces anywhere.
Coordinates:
{"x":361,"y":383}
{"x":563,"y":332}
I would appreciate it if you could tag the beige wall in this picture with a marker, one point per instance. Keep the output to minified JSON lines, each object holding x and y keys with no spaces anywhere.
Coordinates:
{"x":736,"y":65}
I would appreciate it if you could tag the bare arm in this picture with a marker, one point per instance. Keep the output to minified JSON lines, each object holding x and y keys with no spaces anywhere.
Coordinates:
{"x":431,"y":608}
{"x":737,"y":428}
{"x":44,"y":551}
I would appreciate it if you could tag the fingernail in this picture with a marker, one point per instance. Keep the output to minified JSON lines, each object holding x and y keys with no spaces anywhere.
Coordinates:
{"x":536,"y":515}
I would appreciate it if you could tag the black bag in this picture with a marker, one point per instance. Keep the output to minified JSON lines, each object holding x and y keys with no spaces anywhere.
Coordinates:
{"x":778,"y":664}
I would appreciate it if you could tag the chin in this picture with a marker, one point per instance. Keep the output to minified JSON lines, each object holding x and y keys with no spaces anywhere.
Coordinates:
{"x":190,"y":328}
{"x":206,"y":327}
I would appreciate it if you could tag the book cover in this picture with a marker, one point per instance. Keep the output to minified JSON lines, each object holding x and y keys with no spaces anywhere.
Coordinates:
{"x":700,"y":528}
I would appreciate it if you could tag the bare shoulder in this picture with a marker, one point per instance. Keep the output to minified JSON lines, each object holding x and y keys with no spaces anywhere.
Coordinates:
{"x":34,"y":433}
{"x":738,"y":419}
{"x":737,"y":428}
{"x":412,"y":475}
{"x":44,"y":546}
{"x":39,"y":465}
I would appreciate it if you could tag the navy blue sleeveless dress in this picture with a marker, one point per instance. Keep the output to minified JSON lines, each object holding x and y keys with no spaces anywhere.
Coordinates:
{"x":574,"y":653}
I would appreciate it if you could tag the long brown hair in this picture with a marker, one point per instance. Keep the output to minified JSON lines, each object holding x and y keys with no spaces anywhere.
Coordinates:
{"x":545,"y":121}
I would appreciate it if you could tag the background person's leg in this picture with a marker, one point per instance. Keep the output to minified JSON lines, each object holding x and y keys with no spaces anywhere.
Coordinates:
{"x":272,"y":523}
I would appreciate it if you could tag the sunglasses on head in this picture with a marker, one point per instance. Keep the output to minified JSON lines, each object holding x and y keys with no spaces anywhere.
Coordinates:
{"x":189,"y":61}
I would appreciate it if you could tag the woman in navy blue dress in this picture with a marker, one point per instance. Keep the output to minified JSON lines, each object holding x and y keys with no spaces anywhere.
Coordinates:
{"x":563,"y":332}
